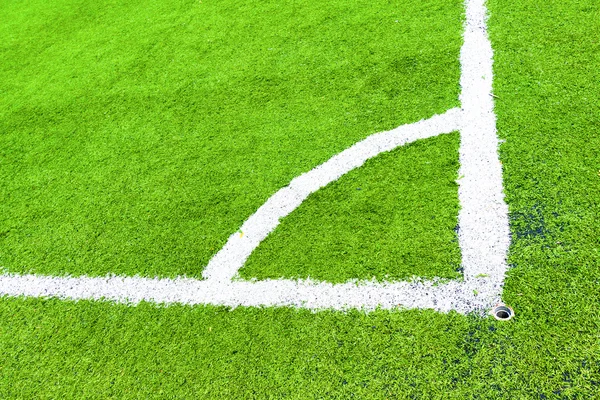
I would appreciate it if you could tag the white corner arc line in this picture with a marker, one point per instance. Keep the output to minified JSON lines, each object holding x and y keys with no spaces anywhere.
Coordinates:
{"x":225,"y":264}
{"x":483,"y":220}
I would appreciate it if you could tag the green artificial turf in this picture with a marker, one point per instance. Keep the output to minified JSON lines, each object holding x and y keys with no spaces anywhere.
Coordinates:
{"x":547,"y":83}
{"x":391,"y":219}
{"x":97,"y":350}
{"x":136,"y":136}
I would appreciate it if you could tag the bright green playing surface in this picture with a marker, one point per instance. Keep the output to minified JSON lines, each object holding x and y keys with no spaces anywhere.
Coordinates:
{"x":392,"y":219}
{"x":138,"y":136}
{"x":547,"y":79}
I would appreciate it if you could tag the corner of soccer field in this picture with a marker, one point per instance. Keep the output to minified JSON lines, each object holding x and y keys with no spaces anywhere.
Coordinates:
{"x":546,"y":100}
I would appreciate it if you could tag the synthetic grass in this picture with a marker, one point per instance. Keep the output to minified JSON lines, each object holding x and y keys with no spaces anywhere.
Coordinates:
{"x":391,"y":219}
{"x":99,"y":350}
{"x":547,"y":82}
{"x":137,"y":136}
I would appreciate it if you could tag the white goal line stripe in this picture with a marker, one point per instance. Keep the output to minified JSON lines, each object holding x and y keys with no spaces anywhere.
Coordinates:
{"x":365,"y":295}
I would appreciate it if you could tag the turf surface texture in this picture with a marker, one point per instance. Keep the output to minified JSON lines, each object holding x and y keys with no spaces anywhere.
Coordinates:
{"x":136,"y":137}
{"x":546,"y":79}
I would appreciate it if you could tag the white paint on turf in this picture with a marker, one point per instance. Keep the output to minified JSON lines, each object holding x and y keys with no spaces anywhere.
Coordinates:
{"x":367,"y":295}
{"x":225,"y":264}
{"x":483,"y":217}
{"x":483,"y":221}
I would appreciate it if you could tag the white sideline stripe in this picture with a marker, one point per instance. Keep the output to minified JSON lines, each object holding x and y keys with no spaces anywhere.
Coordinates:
{"x":483,"y":219}
{"x":225,"y":264}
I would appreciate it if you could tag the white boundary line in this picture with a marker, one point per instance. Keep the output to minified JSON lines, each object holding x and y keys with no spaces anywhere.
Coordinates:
{"x":483,"y":220}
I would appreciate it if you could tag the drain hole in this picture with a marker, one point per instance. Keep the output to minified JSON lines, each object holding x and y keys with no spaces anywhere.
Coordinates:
{"x":503,"y":313}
